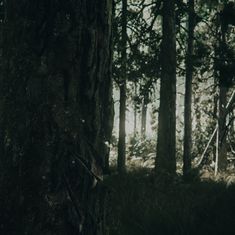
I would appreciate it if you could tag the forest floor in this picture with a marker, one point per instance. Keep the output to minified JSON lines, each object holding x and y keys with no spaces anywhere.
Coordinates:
{"x":142,"y":203}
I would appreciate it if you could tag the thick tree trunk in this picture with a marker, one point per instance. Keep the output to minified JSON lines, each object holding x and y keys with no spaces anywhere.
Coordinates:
{"x":122,"y":114}
{"x":55,"y":99}
{"x":108,"y":107}
{"x":107,"y":123}
{"x":187,"y":154}
{"x":166,"y":145}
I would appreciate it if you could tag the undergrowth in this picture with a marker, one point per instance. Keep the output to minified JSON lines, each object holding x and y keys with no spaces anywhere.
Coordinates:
{"x":144,"y":204}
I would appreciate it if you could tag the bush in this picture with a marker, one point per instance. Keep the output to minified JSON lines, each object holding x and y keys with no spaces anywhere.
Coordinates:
{"x":141,"y":147}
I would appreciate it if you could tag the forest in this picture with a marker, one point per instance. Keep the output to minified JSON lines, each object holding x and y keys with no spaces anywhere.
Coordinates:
{"x":117,"y":117}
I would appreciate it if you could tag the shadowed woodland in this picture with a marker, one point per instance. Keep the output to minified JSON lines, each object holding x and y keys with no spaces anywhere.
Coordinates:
{"x":117,"y":117}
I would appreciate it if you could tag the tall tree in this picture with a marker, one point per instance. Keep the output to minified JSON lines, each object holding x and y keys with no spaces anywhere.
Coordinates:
{"x":122,"y":85}
{"x":55,"y":82}
{"x":108,"y":112}
{"x":187,"y":154}
{"x":166,"y":145}
{"x":226,"y":75}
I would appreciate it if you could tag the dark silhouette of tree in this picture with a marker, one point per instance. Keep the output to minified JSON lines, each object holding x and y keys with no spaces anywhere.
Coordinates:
{"x":166,"y":144}
{"x":56,"y":109}
{"x":221,"y":155}
{"x":225,"y":68}
{"x":122,"y":87}
{"x":187,"y":154}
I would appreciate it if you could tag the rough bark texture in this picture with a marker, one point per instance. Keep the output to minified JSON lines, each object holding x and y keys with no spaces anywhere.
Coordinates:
{"x":167,"y":118}
{"x":55,"y":100}
{"x":122,"y":113}
{"x":187,"y":155}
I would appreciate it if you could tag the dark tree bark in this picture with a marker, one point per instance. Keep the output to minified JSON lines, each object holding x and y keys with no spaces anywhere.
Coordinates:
{"x":222,"y":143}
{"x":108,"y":112}
{"x":187,"y":154}
{"x":122,"y":113}
{"x":166,"y":145}
{"x":221,"y":161}
{"x":55,"y":98}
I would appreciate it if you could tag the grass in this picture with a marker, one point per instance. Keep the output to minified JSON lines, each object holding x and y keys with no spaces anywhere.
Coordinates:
{"x":144,"y":204}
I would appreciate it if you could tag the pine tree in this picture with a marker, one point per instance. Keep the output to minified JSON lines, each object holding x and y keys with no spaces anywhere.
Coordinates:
{"x":187,"y":155}
{"x":166,"y":144}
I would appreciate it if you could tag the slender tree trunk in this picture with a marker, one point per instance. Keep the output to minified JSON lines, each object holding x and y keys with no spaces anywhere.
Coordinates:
{"x":221,"y":163}
{"x":166,"y":145}
{"x":187,"y":154}
{"x":144,"y":118}
{"x":232,"y":126}
{"x":197,"y":118}
{"x":122,"y":114}
{"x":215,"y":116}
{"x":222,"y":143}
{"x":135,"y":111}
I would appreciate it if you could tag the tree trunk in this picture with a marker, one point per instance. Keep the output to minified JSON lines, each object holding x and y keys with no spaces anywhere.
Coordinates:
{"x":187,"y":154}
{"x":122,"y":114}
{"x":135,"y":111}
{"x":232,"y":126}
{"x":55,"y":97}
{"x":197,"y":118}
{"x":166,"y":145}
{"x":108,"y":112}
{"x":221,"y":163}
{"x":215,"y":116}
{"x":144,"y":118}
{"x":222,"y":143}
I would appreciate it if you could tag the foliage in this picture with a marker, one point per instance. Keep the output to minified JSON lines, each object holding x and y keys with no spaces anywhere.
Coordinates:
{"x":141,"y":147}
{"x":143,"y":49}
